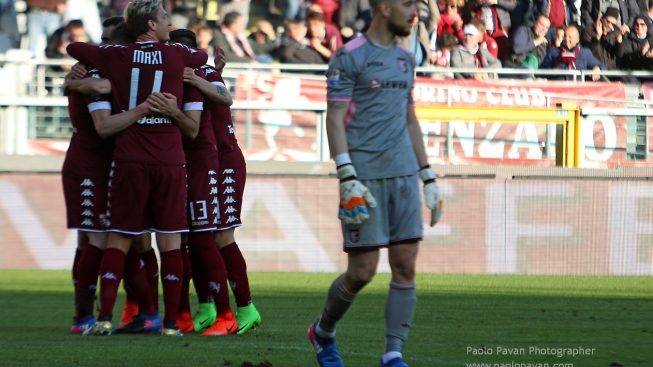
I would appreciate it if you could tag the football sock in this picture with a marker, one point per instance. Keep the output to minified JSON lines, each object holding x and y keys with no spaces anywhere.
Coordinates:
{"x":111,"y":271}
{"x":184,"y":301}
{"x":152,"y":273}
{"x":87,"y":274}
{"x":237,"y":274}
{"x":136,"y":283}
{"x":171,"y":273}
{"x":214,"y":273}
{"x":399,"y":311}
{"x":338,"y":301}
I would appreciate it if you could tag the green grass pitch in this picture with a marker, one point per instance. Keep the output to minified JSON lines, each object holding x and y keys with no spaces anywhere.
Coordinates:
{"x":461,"y":320}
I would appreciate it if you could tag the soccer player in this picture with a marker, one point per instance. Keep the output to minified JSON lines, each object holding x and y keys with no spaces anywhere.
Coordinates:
{"x":230,"y":193}
{"x":376,"y":141}
{"x":85,"y":175}
{"x":148,"y":186}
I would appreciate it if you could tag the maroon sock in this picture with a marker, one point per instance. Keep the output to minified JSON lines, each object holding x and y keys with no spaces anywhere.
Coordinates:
{"x":184,"y":299}
{"x":208,"y":260}
{"x":199,"y":279}
{"x":78,"y":254}
{"x":172,"y":272}
{"x":152,"y":273}
{"x":136,"y":283}
{"x":111,"y":271}
{"x":237,"y":274}
{"x":88,"y":269}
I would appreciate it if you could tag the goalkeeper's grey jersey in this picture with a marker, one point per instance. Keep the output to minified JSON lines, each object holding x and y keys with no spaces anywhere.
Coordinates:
{"x":377,"y":82}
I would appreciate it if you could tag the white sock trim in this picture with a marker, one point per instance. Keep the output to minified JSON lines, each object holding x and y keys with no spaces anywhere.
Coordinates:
{"x":388,"y":356}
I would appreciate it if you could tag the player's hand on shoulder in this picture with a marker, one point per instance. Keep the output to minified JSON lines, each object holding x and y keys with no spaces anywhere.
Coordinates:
{"x":78,"y":71}
{"x":355,"y":198}
{"x":432,"y":197}
{"x":189,"y":76}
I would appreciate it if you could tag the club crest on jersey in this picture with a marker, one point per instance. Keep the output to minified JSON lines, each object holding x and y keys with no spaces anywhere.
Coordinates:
{"x":333,"y":78}
{"x":402,"y":64}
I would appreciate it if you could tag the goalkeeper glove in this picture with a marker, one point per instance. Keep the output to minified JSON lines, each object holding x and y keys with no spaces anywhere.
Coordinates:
{"x":431,"y":193}
{"x":355,"y":198}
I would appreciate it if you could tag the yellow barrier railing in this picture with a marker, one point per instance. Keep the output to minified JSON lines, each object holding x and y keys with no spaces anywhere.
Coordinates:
{"x":566,"y":116}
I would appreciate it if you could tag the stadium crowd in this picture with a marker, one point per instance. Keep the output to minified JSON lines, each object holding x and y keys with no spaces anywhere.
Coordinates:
{"x":528,"y":34}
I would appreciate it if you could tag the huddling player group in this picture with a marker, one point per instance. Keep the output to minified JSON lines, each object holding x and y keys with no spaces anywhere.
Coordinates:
{"x":154,"y":150}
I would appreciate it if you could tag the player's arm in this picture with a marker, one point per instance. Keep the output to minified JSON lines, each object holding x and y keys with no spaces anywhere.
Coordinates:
{"x":85,"y":53}
{"x":165,"y":104}
{"x":194,"y":58}
{"x":107,"y":124}
{"x":215,"y":91}
{"x":88,"y":86}
{"x":335,"y":127}
{"x":431,"y":190}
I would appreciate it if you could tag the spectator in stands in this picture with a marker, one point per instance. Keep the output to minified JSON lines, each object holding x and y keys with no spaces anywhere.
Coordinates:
{"x":263,"y":39}
{"x":471,"y":55}
{"x":295,"y":47}
{"x":87,"y":11}
{"x":353,"y":18}
{"x":323,"y":37}
{"x":635,"y":51}
{"x":529,"y":45}
{"x":418,"y":42}
{"x":486,"y":40}
{"x":451,"y":20}
{"x":601,"y":38}
{"x":204,"y":36}
{"x":572,"y":56}
{"x":43,"y":18}
{"x":9,"y":36}
{"x":294,"y":10}
{"x":648,"y":18}
{"x":559,"y":12}
{"x":558,"y":37}
{"x":329,"y":8}
{"x":62,"y":37}
{"x":496,"y":16}
{"x":231,"y":38}
{"x":441,"y":57}
{"x":591,"y":10}
{"x":239,"y":6}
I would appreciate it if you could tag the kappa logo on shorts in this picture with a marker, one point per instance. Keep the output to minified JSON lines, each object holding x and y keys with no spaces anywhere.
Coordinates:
{"x":87,"y":222}
{"x":228,"y":180}
{"x":87,"y":192}
{"x":230,"y":209}
{"x":231,"y":219}
{"x":227,"y":171}
{"x":214,"y":190}
{"x":87,"y":213}
{"x":229,"y":190}
{"x":213,"y":181}
{"x":87,"y":183}
{"x":211,"y":173}
{"x":229,"y":200}
{"x":215,"y":210}
{"x":215,"y":201}
{"x":354,"y":235}
{"x":87,"y":202}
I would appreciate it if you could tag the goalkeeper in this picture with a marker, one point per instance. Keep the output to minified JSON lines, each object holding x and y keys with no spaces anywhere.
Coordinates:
{"x":377,"y":144}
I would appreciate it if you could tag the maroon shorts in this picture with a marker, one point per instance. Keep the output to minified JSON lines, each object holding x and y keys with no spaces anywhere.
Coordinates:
{"x":86,"y":200}
{"x":230,"y":192}
{"x":203,"y":205}
{"x":147,"y":197}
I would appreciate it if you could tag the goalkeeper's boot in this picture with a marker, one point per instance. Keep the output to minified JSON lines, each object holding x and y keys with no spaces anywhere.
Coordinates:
{"x":325,"y":349}
{"x":205,"y":316}
{"x":100,"y":328}
{"x":129,"y":313}
{"x":395,"y":362}
{"x":185,"y":322}
{"x":171,"y":329}
{"x":83,"y":324}
{"x":225,"y":324}
{"x":248,"y":318}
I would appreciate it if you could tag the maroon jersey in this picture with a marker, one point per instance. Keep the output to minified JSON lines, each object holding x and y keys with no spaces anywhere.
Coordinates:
{"x":223,"y":127}
{"x":135,"y":71}
{"x":87,"y":152}
{"x":205,"y":139}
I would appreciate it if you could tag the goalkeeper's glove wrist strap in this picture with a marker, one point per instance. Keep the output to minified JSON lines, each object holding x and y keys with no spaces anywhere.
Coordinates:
{"x":426,"y":174}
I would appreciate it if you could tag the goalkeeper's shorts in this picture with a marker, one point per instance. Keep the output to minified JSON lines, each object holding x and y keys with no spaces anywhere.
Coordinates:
{"x":397,"y":218}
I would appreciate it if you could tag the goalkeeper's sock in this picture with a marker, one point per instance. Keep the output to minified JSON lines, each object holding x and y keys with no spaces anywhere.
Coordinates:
{"x":111,"y":272}
{"x":399,"y":311}
{"x":152,"y":274}
{"x":171,"y":273}
{"x":237,"y":274}
{"x":337,"y":303}
{"x":87,"y":274}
